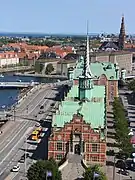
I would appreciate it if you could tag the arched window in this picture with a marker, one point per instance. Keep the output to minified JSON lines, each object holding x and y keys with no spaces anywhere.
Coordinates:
{"x":102,"y":79}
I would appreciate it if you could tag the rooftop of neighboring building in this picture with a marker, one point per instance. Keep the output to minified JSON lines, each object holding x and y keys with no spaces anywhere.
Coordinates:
{"x":48,"y":55}
{"x":72,"y":56}
{"x":50,"y":60}
{"x":60,"y":50}
{"x":63,"y":61}
{"x":94,"y":103}
{"x":27,"y":46}
{"x":107,"y":53}
{"x":109,"y":44}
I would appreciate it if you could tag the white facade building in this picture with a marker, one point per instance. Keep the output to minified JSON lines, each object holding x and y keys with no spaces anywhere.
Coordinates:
{"x":8,"y":58}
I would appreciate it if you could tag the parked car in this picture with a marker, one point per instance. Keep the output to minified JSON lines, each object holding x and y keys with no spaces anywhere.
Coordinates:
{"x":22,"y":159}
{"x":15,"y":168}
{"x":123,"y":172}
{"x":121,"y":164}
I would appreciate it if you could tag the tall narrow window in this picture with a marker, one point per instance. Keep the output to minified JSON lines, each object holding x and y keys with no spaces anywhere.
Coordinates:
{"x":59,"y":146}
{"x":59,"y":156}
{"x":94,"y":147}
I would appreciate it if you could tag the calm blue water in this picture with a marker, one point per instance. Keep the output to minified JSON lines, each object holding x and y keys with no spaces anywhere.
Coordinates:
{"x":9,"y":96}
{"x":40,"y":35}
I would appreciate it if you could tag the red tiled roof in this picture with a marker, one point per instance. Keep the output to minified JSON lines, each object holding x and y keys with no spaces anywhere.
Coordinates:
{"x":60,"y":50}
{"x":26,"y":47}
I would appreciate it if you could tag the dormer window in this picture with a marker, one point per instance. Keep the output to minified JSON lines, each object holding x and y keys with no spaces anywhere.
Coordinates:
{"x":112,"y":77}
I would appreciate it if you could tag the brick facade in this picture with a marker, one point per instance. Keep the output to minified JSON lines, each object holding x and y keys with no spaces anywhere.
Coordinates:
{"x":77,"y":137}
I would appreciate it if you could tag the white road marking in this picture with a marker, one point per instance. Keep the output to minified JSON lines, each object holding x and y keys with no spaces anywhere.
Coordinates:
{"x":28,"y":130}
{"x":13,"y":138}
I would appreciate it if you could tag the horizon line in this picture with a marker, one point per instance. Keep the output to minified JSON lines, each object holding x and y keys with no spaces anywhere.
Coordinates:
{"x":51,"y":34}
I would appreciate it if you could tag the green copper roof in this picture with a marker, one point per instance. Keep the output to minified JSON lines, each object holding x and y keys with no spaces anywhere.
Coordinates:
{"x":109,"y":69}
{"x":92,"y":111}
{"x":97,"y":91}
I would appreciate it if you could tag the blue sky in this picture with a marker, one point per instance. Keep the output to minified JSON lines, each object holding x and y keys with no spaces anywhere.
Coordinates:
{"x":69,"y":16}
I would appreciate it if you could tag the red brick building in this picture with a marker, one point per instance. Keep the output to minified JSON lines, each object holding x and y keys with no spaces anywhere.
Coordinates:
{"x":77,"y":137}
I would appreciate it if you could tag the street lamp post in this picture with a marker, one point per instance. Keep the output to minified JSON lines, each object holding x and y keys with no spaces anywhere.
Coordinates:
{"x":114,"y":168}
{"x":27,"y":109}
{"x":48,"y":175}
{"x":14,"y":112}
{"x":25,"y":153}
{"x":3,"y":107}
{"x":95,"y":175}
{"x":120,"y":176}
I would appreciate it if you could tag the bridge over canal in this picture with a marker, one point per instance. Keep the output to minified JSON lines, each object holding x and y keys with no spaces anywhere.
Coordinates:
{"x":17,"y":84}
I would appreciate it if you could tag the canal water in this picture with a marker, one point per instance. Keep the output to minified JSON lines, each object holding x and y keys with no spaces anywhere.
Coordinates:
{"x":8,"y":97}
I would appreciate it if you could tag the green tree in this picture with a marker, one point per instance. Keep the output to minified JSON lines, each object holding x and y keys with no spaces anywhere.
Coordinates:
{"x":121,"y":128}
{"x":38,"y":67}
{"x":131,"y":85}
{"x":49,"y":68}
{"x":38,"y":170}
{"x":89,"y":173}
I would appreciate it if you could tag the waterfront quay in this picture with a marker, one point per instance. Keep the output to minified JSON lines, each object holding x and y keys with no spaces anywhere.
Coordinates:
{"x":16,"y":69}
{"x":17,"y":130}
{"x":9,"y":96}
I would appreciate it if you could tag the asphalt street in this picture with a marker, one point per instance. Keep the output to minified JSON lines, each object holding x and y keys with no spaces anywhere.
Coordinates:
{"x":13,"y":138}
{"x":110,"y":121}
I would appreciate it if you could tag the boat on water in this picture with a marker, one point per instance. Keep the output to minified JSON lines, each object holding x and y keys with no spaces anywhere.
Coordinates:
{"x":1,"y":75}
{"x":19,"y":80}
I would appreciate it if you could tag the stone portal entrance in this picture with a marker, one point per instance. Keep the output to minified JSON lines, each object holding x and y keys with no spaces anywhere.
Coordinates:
{"x":77,"y":149}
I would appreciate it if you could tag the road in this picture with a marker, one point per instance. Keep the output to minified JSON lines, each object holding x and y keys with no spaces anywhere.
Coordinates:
{"x":128,"y":102}
{"x":13,"y":138}
{"x":110,"y":139}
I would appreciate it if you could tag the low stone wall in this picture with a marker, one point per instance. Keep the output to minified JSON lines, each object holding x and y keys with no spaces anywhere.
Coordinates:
{"x":35,"y":88}
{"x":63,"y":165}
{"x":84,"y":164}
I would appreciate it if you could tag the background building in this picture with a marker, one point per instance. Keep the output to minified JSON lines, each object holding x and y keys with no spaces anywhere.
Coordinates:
{"x":123,"y":58}
{"x":8,"y":59}
{"x":64,"y":65}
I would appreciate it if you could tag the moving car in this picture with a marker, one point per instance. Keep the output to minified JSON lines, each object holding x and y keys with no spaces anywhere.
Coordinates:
{"x":52,"y":104}
{"x":41,"y":112}
{"x":37,"y":125}
{"x":15,"y":168}
{"x":41,"y":107}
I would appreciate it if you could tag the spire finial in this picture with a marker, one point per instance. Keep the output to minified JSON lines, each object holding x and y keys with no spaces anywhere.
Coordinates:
{"x":122,"y":34}
{"x":88,"y":71}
